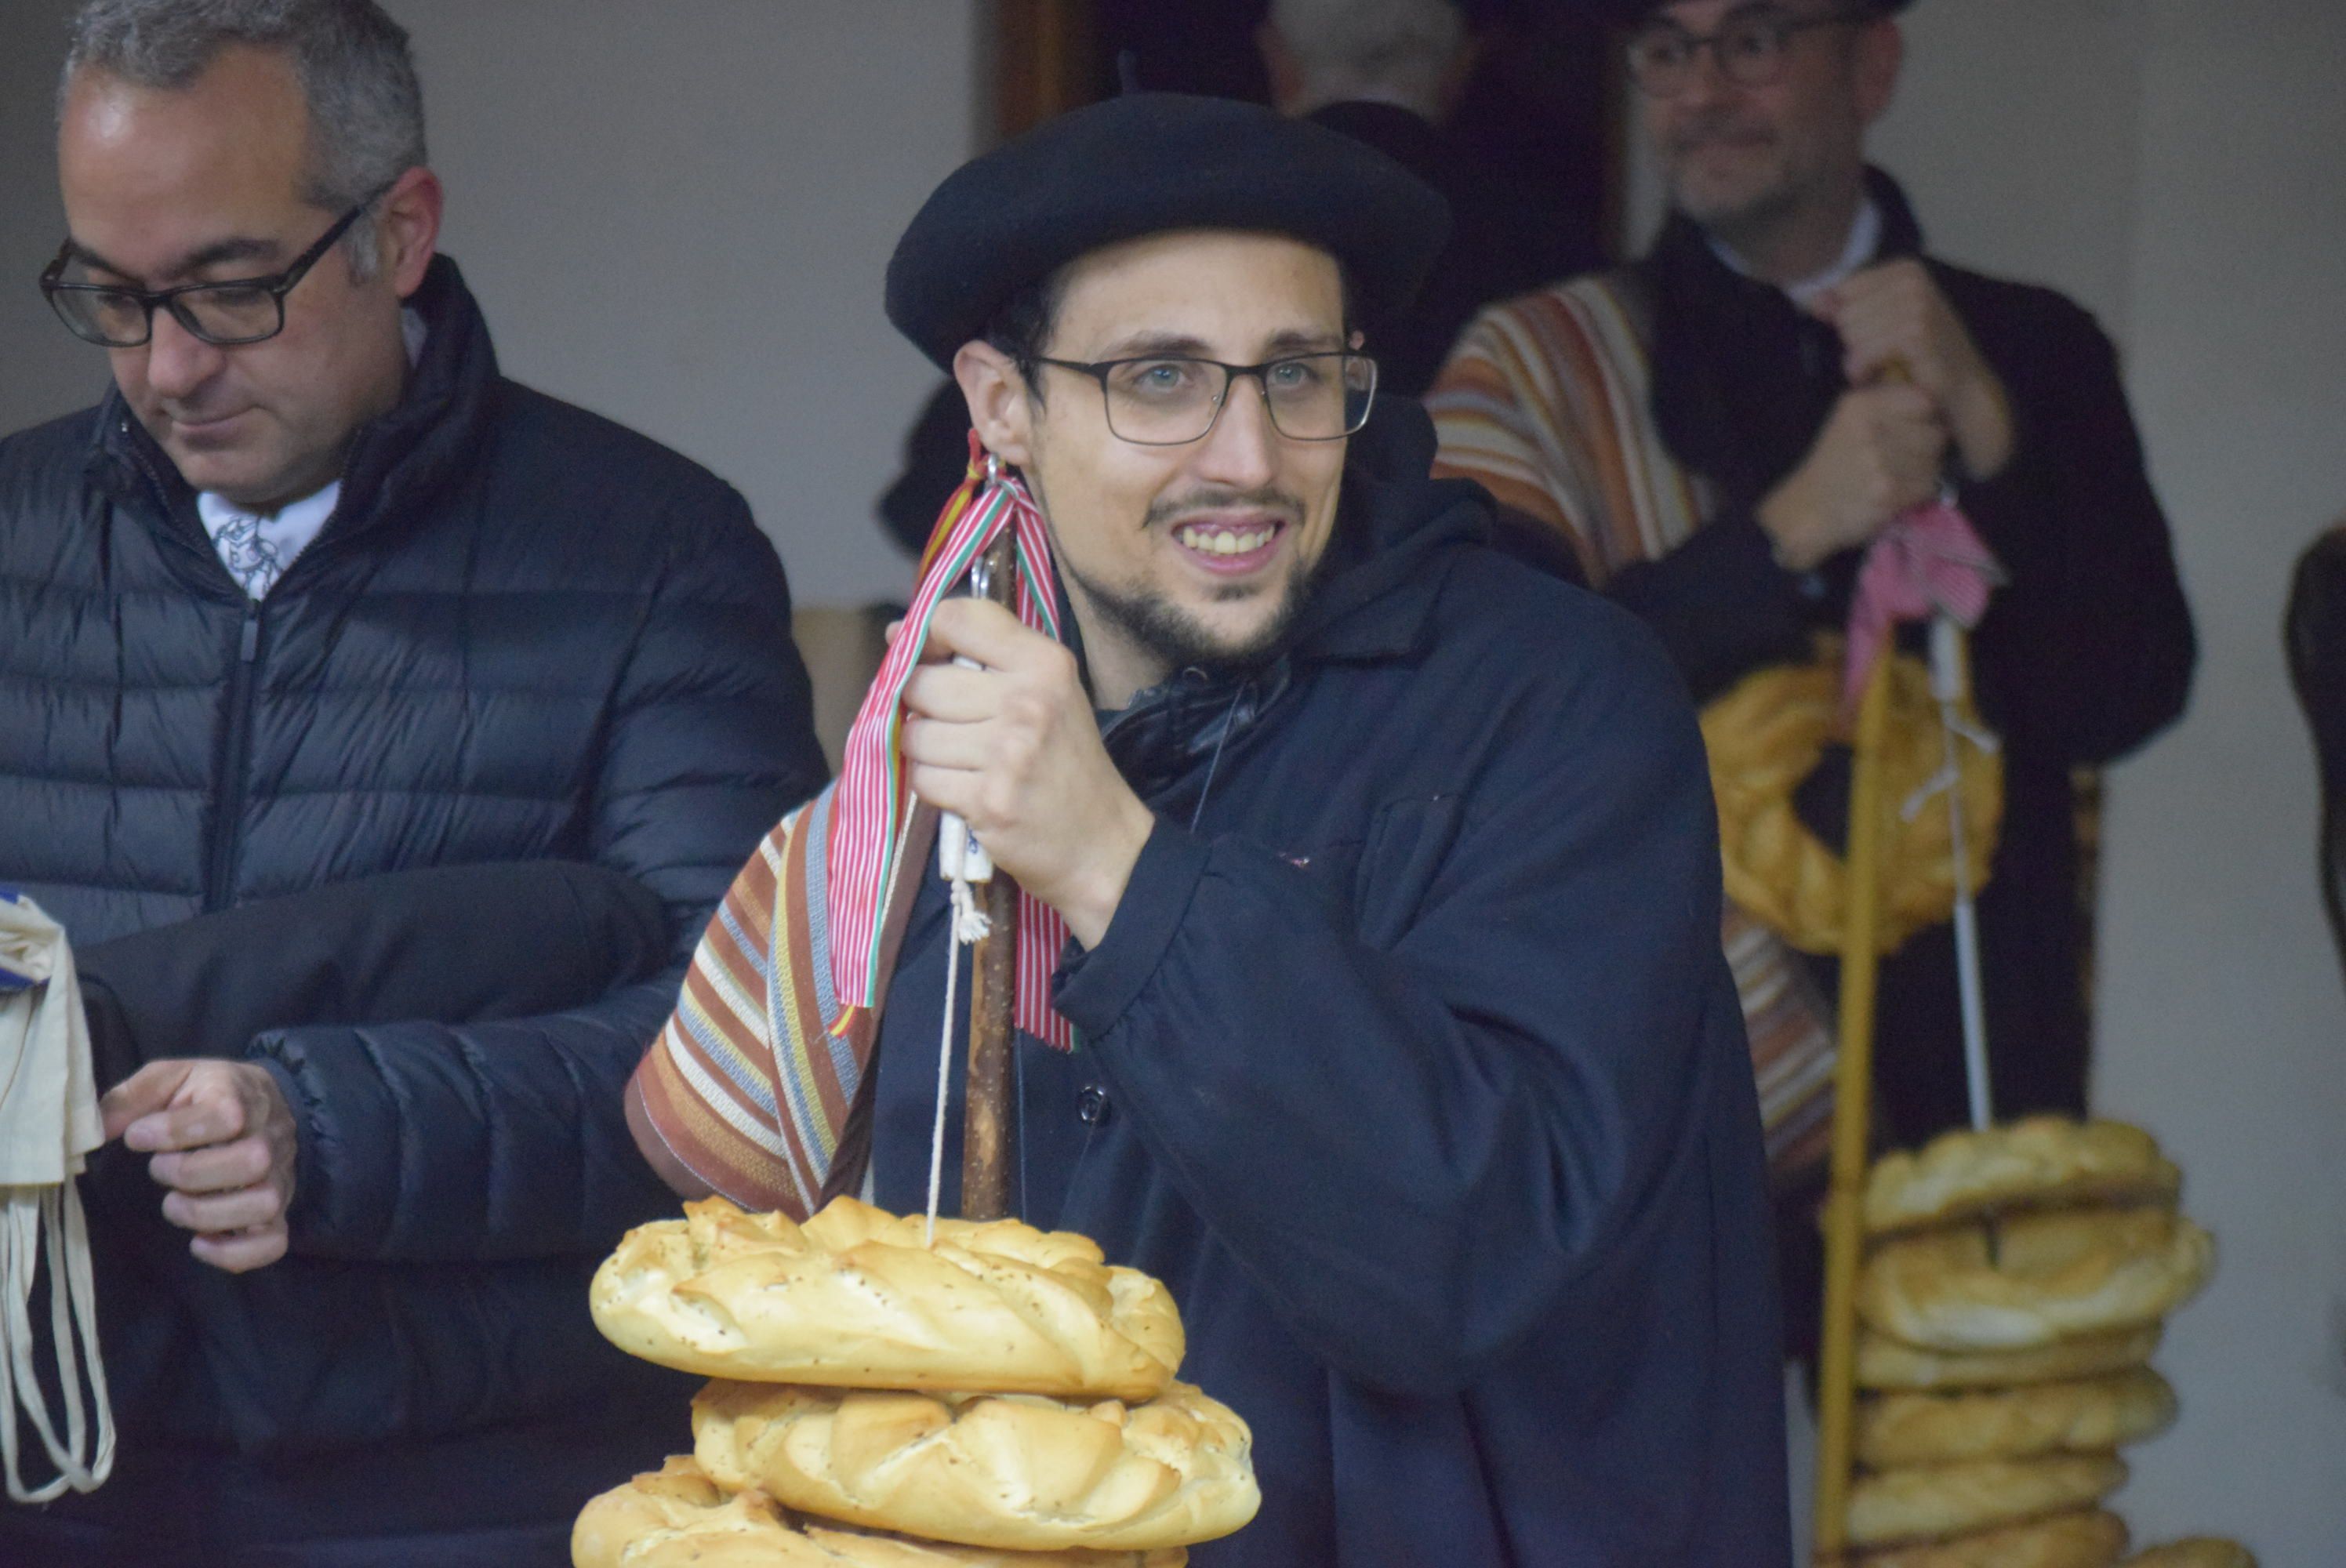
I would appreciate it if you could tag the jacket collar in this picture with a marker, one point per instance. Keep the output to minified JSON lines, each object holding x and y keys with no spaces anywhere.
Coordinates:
{"x":394,"y":461}
{"x":1743,"y":379}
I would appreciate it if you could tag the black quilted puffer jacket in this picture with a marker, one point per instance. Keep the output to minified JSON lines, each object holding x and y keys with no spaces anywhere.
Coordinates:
{"x":526,"y":633}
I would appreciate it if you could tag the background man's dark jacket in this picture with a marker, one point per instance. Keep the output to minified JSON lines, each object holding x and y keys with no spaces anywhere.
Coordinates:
{"x":1411,"y":1062}
{"x":2086,"y":653}
{"x":526,"y":633}
{"x":1507,"y":237}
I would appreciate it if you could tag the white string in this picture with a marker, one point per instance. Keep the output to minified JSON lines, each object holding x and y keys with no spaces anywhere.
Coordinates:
{"x":1946,"y":687}
{"x":962,"y":860}
{"x":56,"y":1210}
{"x":944,"y":1080}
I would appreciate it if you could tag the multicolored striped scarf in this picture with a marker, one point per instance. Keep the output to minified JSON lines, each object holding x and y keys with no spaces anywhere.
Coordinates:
{"x":1548,"y":401}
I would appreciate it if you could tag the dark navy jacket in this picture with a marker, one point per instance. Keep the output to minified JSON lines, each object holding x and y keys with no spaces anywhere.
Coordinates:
{"x":1411,"y":1062}
{"x":526,"y":633}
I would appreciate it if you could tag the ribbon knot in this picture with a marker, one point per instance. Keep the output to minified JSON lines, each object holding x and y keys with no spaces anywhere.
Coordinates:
{"x":1930,"y":561}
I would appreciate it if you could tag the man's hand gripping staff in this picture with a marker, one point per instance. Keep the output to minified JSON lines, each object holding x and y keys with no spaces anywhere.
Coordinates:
{"x":1013,"y":748}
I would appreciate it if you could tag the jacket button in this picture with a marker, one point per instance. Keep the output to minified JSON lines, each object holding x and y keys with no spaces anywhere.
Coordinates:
{"x":1091,"y":1106}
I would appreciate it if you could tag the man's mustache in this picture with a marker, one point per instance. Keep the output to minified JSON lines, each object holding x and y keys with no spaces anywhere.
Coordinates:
{"x":1270,"y":498}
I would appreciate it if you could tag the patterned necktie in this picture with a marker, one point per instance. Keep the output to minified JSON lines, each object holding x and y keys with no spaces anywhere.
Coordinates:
{"x":252,"y":559}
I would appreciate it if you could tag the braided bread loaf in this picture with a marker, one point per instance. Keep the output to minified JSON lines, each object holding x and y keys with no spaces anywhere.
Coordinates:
{"x":2093,"y":1538}
{"x":2091,"y":1416}
{"x":1006,"y":1471}
{"x":2040,"y":1162}
{"x":676,"y":1517}
{"x":1885,"y":1363}
{"x":1766,"y":734}
{"x":2039,"y":1279}
{"x":854,"y":1298}
{"x":1936,"y":1502}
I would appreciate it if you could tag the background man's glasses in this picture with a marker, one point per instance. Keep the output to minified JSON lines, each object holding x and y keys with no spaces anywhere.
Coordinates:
{"x":1168,"y":400}
{"x":242,"y":310}
{"x":1751,"y":48}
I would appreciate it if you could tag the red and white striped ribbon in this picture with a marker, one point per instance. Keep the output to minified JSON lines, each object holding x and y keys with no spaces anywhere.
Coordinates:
{"x":872,"y":811}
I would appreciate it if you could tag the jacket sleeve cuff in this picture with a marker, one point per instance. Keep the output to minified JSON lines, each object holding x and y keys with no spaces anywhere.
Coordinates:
{"x":1093,"y":989}
{"x":304,"y":1215}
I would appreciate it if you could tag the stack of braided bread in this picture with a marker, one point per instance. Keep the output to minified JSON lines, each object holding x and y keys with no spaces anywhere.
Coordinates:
{"x":996,"y":1397}
{"x":2014,"y":1287}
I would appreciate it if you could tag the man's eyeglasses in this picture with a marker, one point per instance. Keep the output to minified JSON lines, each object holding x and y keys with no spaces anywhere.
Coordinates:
{"x":240,"y":310}
{"x":1751,"y":48}
{"x":1163,"y":400}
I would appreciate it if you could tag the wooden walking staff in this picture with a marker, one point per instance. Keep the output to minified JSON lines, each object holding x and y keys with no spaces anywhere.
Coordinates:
{"x":1957,"y":601}
{"x":1860,"y":957}
{"x":988,"y":1130}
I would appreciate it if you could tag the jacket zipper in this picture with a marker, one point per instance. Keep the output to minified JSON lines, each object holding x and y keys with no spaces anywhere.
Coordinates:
{"x":226,"y":830}
{"x":227,"y":813}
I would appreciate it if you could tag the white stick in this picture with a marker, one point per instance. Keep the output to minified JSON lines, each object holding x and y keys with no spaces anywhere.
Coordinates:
{"x":1946,"y":686}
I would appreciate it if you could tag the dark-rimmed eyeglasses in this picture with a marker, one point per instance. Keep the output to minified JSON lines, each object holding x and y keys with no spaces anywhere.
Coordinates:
{"x":1172,"y":400}
{"x":225,"y":315}
{"x":1751,"y":46}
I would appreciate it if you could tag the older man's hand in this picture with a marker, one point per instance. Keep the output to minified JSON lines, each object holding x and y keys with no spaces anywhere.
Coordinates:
{"x":1880,"y":453}
{"x":223,"y":1141}
{"x":1015,"y":750}
{"x":1893,"y":316}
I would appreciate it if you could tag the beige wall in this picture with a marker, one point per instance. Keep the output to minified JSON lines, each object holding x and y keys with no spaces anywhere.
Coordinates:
{"x":2175,"y":165}
{"x":2225,"y":1023}
{"x":42,"y":370}
{"x":676,"y":215}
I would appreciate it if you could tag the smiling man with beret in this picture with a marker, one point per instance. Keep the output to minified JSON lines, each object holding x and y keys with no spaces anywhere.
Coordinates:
{"x":1404,"y":1048}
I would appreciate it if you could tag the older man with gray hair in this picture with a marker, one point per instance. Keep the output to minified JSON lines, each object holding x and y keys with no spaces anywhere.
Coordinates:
{"x":1393,"y":73}
{"x":385,"y":731}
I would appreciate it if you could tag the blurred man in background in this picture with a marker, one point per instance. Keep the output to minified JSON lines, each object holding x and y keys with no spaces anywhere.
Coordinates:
{"x":1721,"y":429}
{"x":338,"y":673}
{"x":1390,"y":73}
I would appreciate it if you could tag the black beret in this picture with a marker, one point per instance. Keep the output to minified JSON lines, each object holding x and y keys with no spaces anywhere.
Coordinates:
{"x":1143,"y":164}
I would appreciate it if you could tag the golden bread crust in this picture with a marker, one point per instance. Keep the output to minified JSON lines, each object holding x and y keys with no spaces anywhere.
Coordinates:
{"x":2041,"y":1161}
{"x":676,"y":1517}
{"x":1886,"y":1363}
{"x":1765,"y":735}
{"x":2035,"y":1279}
{"x":1006,"y":1471}
{"x":2093,"y":1538}
{"x":1937,"y":1503}
{"x":2090,"y":1415}
{"x":854,"y":1298}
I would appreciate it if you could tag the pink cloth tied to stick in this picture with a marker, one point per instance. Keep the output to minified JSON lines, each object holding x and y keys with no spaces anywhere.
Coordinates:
{"x":1930,"y":561}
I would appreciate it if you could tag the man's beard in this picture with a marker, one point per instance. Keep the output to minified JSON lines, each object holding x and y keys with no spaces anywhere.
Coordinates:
{"x":1167,"y":633}
{"x":1736,"y":215}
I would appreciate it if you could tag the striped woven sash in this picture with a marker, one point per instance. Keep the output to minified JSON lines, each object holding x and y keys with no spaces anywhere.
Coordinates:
{"x":756,"y":1083}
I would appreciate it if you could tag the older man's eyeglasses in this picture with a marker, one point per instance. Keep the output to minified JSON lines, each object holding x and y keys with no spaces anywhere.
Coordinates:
{"x":1161,"y":400}
{"x":1752,"y":48}
{"x":228,"y":314}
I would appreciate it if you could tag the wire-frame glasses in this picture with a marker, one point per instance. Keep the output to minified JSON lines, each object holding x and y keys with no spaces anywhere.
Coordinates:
{"x":1752,"y":48}
{"x":1171,"y":399}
